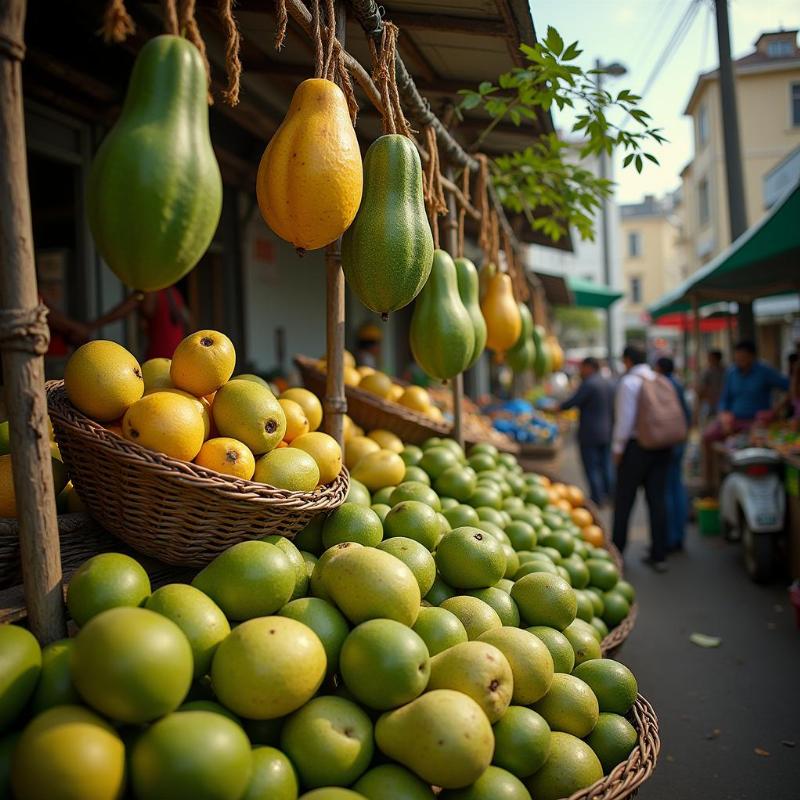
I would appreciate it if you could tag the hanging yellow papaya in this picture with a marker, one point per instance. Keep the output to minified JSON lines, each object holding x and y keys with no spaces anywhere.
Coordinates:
{"x":310,"y":180}
{"x":154,"y":194}
{"x":500,"y":310}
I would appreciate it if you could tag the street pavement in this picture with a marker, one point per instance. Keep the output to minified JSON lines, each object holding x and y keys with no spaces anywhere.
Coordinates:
{"x":729,"y":716}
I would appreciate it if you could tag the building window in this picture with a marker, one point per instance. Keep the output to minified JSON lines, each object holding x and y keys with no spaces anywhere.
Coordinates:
{"x":796,"y":105}
{"x":779,"y":49}
{"x":703,"y":202}
{"x":634,"y":244}
{"x":636,"y":290}
{"x":702,"y":126}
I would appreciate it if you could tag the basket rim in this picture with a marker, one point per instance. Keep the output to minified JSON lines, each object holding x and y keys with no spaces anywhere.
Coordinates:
{"x":620,"y":633}
{"x":407,"y":414}
{"x":626,"y":777}
{"x":64,"y":413}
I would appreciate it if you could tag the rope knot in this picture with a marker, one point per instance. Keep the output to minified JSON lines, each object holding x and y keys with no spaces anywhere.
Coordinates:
{"x":25,"y":330}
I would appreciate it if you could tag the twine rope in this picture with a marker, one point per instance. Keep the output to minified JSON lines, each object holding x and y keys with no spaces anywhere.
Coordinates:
{"x":188,"y":24}
{"x":462,"y":210}
{"x":435,"y":200}
{"x":494,"y":252}
{"x":117,"y":22}
{"x":483,"y":206}
{"x":25,"y":330}
{"x":282,"y":21}
{"x":171,"y":18}
{"x":233,"y":64}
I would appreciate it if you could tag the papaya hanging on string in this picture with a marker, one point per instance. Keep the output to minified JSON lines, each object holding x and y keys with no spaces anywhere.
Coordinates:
{"x":154,"y":194}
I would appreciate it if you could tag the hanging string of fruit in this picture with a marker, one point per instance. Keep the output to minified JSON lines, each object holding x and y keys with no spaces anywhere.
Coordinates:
{"x":388,"y":250}
{"x":310,"y":181}
{"x":467,"y":277}
{"x":154,"y":194}
{"x":442,"y":335}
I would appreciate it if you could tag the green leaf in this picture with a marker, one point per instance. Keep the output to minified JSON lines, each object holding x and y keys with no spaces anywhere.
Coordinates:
{"x":472,"y":100}
{"x":627,"y":160}
{"x":553,"y":41}
{"x":572,"y":52}
{"x":704,"y":640}
{"x":638,"y":163}
{"x":485,"y":87}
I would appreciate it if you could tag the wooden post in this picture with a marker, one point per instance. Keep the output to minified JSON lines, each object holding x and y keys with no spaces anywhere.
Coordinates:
{"x":452,"y":245}
{"x":335,"y":402}
{"x":23,"y":338}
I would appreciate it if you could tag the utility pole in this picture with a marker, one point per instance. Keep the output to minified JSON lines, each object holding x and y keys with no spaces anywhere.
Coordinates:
{"x":604,"y":170}
{"x":737,"y":211}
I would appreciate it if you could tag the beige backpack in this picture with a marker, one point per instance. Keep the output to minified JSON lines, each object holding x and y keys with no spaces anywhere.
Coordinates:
{"x":660,"y":421}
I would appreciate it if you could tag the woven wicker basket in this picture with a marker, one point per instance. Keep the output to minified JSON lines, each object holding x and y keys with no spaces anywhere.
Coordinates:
{"x":626,"y":778}
{"x":618,"y":635}
{"x":172,"y":510}
{"x":78,"y":533}
{"x":371,"y":412}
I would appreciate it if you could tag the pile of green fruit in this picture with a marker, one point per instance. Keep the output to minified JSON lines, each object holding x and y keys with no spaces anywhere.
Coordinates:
{"x":403,"y":642}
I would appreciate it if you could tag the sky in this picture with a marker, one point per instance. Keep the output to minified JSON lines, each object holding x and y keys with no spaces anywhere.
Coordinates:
{"x":636,"y":33}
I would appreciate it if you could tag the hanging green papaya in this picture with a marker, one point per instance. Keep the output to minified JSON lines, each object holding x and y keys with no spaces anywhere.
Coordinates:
{"x":523,"y":354}
{"x":442,"y":336}
{"x":154,"y":193}
{"x":388,"y":250}
{"x":467,"y":277}
{"x":540,"y":362}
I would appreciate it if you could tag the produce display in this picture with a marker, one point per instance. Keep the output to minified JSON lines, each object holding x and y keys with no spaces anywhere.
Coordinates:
{"x":193,"y":408}
{"x":440,"y":629}
{"x":522,"y":422}
{"x":154,"y":195}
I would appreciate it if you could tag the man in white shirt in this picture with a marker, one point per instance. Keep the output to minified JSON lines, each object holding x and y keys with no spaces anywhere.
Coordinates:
{"x":637,"y":466}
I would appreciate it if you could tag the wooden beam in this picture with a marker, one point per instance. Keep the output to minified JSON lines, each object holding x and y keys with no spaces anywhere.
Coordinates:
{"x":512,"y":37}
{"x":25,"y":339}
{"x":474,"y":26}
{"x":410,"y":49}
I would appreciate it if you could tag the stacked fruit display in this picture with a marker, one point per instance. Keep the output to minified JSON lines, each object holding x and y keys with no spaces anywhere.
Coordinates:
{"x":419,"y":636}
{"x":193,"y":408}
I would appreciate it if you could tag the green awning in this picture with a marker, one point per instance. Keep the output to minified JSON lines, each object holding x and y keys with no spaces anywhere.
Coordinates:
{"x":589,"y":294}
{"x":764,"y":261}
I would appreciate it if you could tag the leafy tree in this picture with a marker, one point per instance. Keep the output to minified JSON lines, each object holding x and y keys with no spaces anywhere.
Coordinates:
{"x":548,"y":174}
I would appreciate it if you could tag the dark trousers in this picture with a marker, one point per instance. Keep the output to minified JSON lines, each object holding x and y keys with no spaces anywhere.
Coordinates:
{"x":677,"y":499}
{"x":596,"y":460}
{"x":648,"y":468}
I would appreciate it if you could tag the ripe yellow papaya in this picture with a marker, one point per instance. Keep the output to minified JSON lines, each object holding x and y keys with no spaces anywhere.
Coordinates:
{"x":499,"y":309}
{"x":309,"y":180}
{"x":388,"y":250}
{"x":442,"y":337}
{"x":154,"y":193}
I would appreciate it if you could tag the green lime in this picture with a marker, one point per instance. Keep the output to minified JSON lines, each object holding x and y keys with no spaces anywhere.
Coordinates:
{"x":602,"y":574}
{"x":411,"y":455}
{"x":582,"y":637}
{"x":613,"y":740}
{"x":416,"y":474}
{"x":521,"y":741}
{"x":613,"y":683}
{"x":414,"y":490}
{"x":458,"y":482}
{"x":358,"y":493}
{"x":439,"y":629}
{"x":460,"y":515}
{"x":476,"y":616}
{"x":501,"y":602}
{"x":569,"y":706}
{"x":416,"y":557}
{"x":558,"y":645}
{"x":352,"y":523}
{"x":435,"y":460}
{"x":470,"y":558}
{"x":615,"y":609}
{"x":545,"y":599}
{"x":570,"y":767}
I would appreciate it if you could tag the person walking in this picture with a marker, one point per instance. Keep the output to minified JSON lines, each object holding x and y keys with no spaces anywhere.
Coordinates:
{"x":712,"y":379}
{"x":594,"y":399}
{"x":648,"y":422}
{"x":677,"y":497}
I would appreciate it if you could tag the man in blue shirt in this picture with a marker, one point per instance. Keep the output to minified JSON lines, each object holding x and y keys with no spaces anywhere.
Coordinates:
{"x":595,"y":400}
{"x":748,"y":389}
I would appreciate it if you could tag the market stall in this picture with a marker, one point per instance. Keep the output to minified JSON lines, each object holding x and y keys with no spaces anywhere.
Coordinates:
{"x":257,"y":587}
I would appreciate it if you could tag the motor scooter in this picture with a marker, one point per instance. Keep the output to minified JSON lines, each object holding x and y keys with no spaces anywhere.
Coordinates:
{"x":752,"y":508}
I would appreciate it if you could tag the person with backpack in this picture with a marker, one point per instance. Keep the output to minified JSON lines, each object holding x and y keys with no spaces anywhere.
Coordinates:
{"x":677,"y":496}
{"x":649,"y":421}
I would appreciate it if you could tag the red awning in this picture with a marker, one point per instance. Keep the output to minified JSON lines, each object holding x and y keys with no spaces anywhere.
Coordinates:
{"x":684,"y":322}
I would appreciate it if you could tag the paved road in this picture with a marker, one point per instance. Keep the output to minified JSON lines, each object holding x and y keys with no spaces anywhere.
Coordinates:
{"x":729,"y":716}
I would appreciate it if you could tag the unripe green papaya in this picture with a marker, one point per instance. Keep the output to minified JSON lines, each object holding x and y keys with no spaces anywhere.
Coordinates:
{"x":540,"y":362}
{"x":154,"y":193}
{"x":467,"y":277}
{"x":388,"y":250}
{"x":523,"y":354}
{"x":442,"y":336}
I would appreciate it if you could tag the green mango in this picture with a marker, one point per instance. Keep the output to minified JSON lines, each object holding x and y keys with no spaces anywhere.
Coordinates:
{"x":387,"y":252}
{"x":467,"y":278}
{"x":442,"y":337}
{"x":154,"y":194}
{"x":540,"y":361}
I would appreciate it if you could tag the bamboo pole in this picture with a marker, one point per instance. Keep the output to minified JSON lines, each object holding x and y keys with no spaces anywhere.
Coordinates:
{"x":23,"y":338}
{"x":335,"y":402}
{"x":458,"y":381}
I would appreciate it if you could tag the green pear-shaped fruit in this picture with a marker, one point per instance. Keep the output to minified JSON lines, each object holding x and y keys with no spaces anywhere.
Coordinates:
{"x":540,"y":361}
{"x":468,"y":290}
{"x":388,"y":250}
{"x":366,"y":583}
{"x":523,"y":354}
{"x":443,"y":737}
{"x":477,"y":669}
{"x":442,"y":335}
{"x":392,"y":782}
{"x":154,"y":194}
